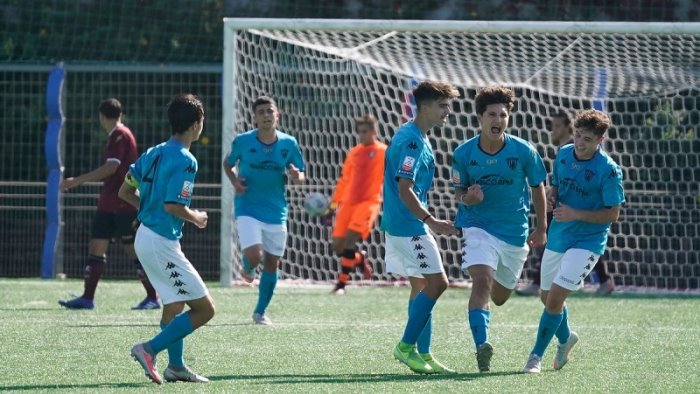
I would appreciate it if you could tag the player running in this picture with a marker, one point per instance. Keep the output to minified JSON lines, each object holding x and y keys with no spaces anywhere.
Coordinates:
{"x":160,"y":184}
{"x":357,"y":199}
{"x":258,"y":166}
{"x":587,"y":196}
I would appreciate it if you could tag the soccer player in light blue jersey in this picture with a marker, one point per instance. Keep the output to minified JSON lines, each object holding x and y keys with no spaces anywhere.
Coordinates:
{"x":411,"y":250}
{"x":493,"y":174}
{"x":587,"y":196}
{"x":258,"y":166}
{"x":164,"y":178}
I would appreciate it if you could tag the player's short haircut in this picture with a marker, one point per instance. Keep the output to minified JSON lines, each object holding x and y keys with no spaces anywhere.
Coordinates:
{"x":493,"y":95}
{"x":564,"y":116}
{"x":262,"y":100}
{"x":184,"y":110}
{"x":367,"y":119}
{"x":591,"y":120}
{"x":433,"y":90}
{"x":110,"y":108}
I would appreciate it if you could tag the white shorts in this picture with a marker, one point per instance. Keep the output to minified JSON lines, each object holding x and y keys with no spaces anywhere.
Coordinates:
{"x":170,"y":273}
{"x":482,"y":248}
{"x":412,"y":256}
{"x":568,"y":269}
{"x":251,"y":231}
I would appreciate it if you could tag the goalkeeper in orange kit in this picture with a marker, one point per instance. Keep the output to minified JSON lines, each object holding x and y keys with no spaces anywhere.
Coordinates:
{"x":357,"y":200}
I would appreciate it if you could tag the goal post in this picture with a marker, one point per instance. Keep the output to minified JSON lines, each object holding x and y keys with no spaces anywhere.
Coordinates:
{"x":323,"y":73}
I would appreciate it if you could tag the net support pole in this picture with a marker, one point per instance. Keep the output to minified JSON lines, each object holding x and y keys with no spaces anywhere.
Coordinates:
{"x":52,"y":153}
{"x":229,"y":111}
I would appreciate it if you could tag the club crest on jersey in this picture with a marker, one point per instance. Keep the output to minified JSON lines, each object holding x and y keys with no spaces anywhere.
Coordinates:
{"x":512,"y":162}
{"x":456,"y":179}
{"x":187,"y":188}
{"x":588,"y":174}
{"x":284,"y":152}
{"x":372,"y":154}
{"x":408,"y":163}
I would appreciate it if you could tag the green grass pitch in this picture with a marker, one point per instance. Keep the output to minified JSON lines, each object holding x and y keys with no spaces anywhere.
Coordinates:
{"x":321,"y":343}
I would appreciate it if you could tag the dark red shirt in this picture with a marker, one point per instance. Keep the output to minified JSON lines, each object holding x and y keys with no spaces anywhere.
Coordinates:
{"x":121,"y":148}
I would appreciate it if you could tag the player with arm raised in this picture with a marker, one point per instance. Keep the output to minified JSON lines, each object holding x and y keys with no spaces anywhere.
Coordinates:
{"x":160,"y":184}
{"x":114,"y":217}
{"x":258,"y":165}
{"x":357,"y":198}
{"x":411,"y":250}
{"x":587,"y":196}
{"x":493,"y":174}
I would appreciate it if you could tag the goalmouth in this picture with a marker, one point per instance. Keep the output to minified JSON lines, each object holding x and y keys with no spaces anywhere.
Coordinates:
{"x":323,"y":73}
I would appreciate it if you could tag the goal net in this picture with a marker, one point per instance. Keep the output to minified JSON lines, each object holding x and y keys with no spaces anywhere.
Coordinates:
{"x":324,"y":73}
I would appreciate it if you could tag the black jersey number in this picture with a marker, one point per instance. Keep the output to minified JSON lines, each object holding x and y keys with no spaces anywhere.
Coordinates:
{"x":151,"y":173}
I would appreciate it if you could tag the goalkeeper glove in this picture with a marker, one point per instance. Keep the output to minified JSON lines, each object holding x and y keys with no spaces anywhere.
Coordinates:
{"x":327,"y":219}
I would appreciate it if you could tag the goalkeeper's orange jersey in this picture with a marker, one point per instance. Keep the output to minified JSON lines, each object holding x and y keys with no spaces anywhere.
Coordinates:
{"x":362,"y":175}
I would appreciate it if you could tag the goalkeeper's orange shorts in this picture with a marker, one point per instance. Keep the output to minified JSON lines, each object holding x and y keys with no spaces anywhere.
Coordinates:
{"x":358,"y":217}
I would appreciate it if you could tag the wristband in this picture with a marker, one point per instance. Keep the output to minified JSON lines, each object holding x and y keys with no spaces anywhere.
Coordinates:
{"x":426,"y":218}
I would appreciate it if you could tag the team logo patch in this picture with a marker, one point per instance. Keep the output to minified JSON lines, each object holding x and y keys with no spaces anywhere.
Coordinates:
{"x":285,"y":152}
{"x":372,"y":154}
{"x":408,"y":163}
{"x":588,"y":174}
{"x":456,"y":179}
{"x":512,"y":162}
{"x":187,"y":188}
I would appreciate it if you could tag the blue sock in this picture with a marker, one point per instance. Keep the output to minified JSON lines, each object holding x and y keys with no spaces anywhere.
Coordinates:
{"x":426,"y":335}
{"x":180,"y":327}
{"x":564,"y":331}
{"x":548,"y":326}
{"x":479,"y":323}
{"x":175,"y":351}
{"x":419,"y":313}
{"x":266,"y":288}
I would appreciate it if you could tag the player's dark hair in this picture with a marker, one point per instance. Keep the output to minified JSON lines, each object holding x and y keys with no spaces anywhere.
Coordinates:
{"x":564,"y":116}
{"x":591,"y":120}
{"x":110,"y":108}
{"x":493,"y":95}
{"x":433,"y":90}
{"x":367,"y":119}
{"x":262,"y":100}
{"x":184,"y":110}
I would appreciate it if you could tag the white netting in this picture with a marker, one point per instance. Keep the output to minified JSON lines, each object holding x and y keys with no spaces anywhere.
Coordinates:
{"x":648,"y":83}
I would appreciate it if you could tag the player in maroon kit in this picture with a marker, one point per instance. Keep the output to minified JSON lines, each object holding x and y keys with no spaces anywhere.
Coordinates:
{"x":114,"y":217}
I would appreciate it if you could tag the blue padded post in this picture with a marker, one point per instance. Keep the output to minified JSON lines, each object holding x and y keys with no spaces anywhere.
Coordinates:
{"x":52,"y":152}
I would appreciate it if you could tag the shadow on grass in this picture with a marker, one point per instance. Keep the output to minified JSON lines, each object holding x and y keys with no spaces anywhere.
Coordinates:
{"x":33,"y":387}
{"x":356,"y":378}
{"x":107,"y":325}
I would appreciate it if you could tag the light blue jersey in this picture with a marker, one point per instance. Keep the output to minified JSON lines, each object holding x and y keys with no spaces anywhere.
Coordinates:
{"x":166,"y":175}
{"x":409,"y":156}
{"x":588,"y":185}
{"x":264,"y":167}
{"x":505,"y":178}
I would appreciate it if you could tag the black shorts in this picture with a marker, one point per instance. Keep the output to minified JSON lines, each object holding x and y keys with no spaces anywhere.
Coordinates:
{"x":107,"y":225}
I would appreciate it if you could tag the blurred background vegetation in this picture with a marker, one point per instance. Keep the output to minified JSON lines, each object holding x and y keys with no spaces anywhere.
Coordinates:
{"x":190,"y":31}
